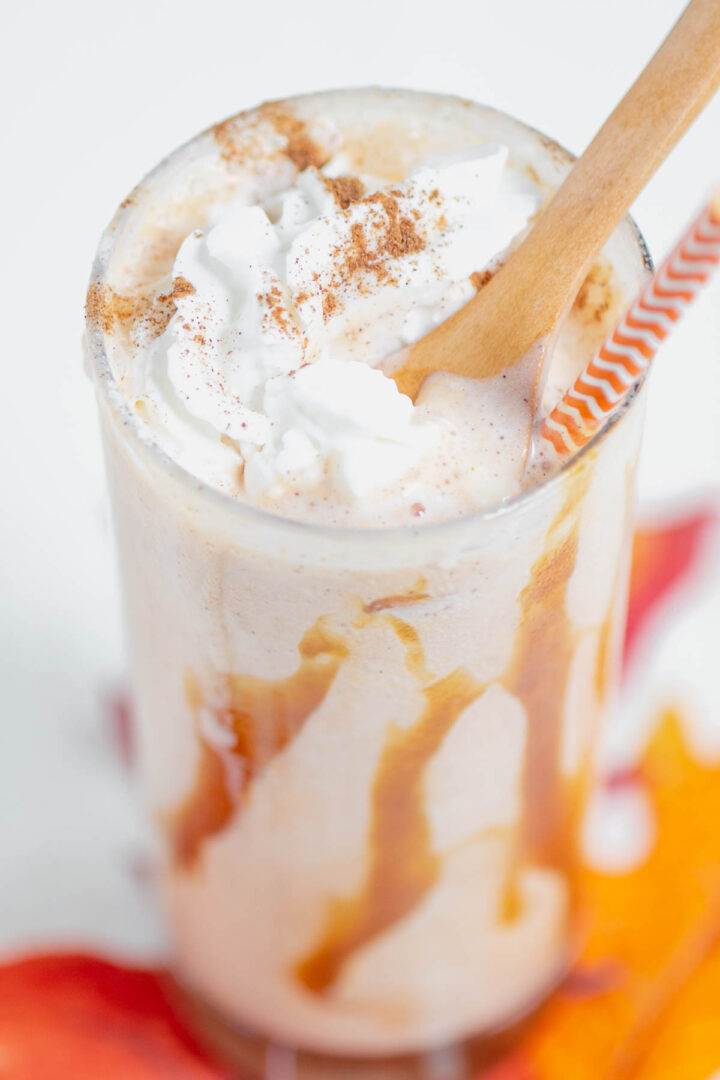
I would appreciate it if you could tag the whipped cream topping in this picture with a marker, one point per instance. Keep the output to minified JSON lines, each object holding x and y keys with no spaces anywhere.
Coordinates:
{"x":268,"y":372}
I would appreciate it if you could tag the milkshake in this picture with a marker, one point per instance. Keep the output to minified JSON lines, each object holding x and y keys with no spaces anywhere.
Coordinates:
{"x":372,"y":640}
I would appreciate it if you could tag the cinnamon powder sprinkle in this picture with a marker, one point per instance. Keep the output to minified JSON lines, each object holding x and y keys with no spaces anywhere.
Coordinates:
{"x":273,"y":298}
{"x":401,"y":237}
{"x":302,"y":150}
{"x":329,"y":305}
{"x":396,"y":236}
{"x":111,"y":309}
{"x":239,"y":143}
{"x":480,"y":278}
{"x":344,"y":189}
{"x":358,"y":256}
{"x":182,"y":287}
{"x":393,"y":235}
{"x":224,"y":134}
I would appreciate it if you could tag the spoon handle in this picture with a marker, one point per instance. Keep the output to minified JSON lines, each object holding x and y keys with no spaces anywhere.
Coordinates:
{"x":532,"y":291}
{"x":628,"y":149}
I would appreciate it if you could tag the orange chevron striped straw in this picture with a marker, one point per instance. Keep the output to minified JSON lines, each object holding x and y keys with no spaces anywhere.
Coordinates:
{"x":620,"y":364}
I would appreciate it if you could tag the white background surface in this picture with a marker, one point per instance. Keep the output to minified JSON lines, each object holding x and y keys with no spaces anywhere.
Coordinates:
{"x":93,"y":94}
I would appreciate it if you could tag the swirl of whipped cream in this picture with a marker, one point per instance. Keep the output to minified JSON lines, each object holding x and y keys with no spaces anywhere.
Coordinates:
{"x":285,"y":308}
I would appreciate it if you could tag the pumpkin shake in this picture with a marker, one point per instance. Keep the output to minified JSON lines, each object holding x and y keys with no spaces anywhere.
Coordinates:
{"x":370,"y":646}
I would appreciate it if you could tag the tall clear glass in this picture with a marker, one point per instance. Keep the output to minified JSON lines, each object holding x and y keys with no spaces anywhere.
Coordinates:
{"x":367,"y":751}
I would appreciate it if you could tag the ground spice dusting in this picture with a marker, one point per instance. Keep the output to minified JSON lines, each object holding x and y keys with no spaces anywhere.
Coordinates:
{"x":241,"y":143}
{"x":224,"y":134}
{"x":370,"y":248}
{"x":302,"y":150}
{"x":401,"y":237}
{"x":95,"y":307}
{"x":358,"y":257}
{"x":182,"y":287}
{"x":277,"y":312}
{"x":396,"y":236}
{"x":111,"y":309}
{"x":329,"y":305}
{"x":480,"y":278}
{"x":344,"y":189}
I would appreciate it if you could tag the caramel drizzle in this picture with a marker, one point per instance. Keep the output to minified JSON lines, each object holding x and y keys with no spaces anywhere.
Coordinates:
{"x":537,"y":675}
{"x":403,"y":867}
{"x":206,"y":810}
{"x":416,"y":595}
{"x":263,"y":716}
{"x":414,"y":652}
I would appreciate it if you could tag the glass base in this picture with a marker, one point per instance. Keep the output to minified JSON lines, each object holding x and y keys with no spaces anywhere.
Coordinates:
{"x":253,"y":1057}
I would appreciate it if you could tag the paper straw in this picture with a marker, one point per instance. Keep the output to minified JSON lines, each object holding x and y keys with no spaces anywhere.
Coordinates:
{"x":620,"y":364}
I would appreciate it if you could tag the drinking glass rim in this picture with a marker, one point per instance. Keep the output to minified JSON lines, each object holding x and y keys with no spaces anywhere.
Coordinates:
{"x":376,"y":535}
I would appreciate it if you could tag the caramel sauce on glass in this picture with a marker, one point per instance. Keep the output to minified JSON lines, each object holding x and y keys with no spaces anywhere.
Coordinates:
{"x":263,"y":716}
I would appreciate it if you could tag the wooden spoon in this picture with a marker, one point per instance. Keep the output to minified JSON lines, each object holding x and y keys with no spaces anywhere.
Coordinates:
{"x":521,"y":306}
